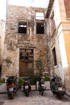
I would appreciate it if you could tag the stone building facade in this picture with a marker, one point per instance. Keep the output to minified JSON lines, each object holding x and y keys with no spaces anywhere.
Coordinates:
{"x":25,"y":41}
{"x":37,"y":33}
{"x":58,"y":33}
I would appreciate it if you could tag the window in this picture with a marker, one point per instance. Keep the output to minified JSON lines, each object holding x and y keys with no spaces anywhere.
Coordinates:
{"x":39,"y":28}
{"x":40,"y":15}
{"x":26,"y":55}
{"x":22,"y":28}
{"x":54,"y":56}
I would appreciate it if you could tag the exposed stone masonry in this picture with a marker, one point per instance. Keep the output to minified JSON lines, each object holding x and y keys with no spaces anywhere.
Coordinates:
{"x":14,"y":40}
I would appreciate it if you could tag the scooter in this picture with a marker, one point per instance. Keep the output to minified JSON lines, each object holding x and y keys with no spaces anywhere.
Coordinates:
{"x":57,"y":87}
{"x":11,"y":86}
{"x":27,"y":86}
{"x":41,"y":86}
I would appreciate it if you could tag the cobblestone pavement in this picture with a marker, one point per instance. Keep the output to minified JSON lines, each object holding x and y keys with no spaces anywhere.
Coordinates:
{"x":34,"y":99}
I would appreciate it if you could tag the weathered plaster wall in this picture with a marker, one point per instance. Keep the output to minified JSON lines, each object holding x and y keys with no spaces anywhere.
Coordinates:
{"x":53,"y":41}
{"x":60,"y":39}
{"x":65,"y":21}
{"x":2,"y":37}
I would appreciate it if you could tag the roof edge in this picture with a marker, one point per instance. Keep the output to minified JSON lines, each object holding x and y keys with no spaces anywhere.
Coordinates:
{"x":49,"y":8}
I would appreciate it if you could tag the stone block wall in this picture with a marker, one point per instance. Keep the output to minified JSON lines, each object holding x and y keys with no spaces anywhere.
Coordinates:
{"x":14,"y":40}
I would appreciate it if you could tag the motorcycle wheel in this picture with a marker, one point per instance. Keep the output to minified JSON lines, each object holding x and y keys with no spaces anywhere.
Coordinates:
{"x":42,"y":93}
{"x":26,"y":93}
{"x":11,"y":95}
{"x":59,"y":96}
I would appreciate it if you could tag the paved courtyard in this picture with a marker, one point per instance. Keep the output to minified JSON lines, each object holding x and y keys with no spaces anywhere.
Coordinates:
{"x":34,"y":98}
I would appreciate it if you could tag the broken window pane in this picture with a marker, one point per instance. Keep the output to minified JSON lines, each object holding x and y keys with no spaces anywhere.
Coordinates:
{"x":22,"y":28}
{"x":39,"y":28}
{"x":40,"y":15}
{"x":54,"y":56}
{"x":26,"y":54}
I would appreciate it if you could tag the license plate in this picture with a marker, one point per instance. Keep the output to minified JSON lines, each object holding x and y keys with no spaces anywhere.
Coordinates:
{"x":26,"y":87}
{"x":60,"y":89}
{"x":42,"y":85}
{"x":10,"y":89}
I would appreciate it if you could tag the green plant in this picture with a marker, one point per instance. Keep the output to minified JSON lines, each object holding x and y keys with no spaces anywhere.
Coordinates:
{"x":21,"y":82}
{"x":39,"y":66}
{"x":35,"y":79}
{"x":8,"y":60}
{"x":2,"y":81}
{"x":47,"y":78}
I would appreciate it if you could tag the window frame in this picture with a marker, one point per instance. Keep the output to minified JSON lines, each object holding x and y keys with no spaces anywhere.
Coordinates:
{"x":37,"y":22}
{"x":22,"y":23}
{"x":39,"y":17}
{"x":54,"y":56}
{"x":29,"y":53}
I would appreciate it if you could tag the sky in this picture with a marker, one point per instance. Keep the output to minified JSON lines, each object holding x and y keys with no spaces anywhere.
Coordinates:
{"x":34,"y":3}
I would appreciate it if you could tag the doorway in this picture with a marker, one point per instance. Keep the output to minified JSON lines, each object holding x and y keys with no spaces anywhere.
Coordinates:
{"x":26,"y":62}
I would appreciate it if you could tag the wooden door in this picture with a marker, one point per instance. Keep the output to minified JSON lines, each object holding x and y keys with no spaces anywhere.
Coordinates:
{"x":25,"y":63}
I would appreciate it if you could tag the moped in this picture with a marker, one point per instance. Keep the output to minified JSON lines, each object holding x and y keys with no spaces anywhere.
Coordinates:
{"x":27,"y":86}
{"x":41,"y":85}
{"x":57,"y":86}
{"x":11,"y":86}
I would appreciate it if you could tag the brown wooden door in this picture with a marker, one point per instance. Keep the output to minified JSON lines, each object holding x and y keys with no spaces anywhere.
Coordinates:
{"x":25,"y":64}
{"x":25,"y":68}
